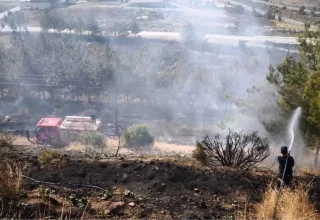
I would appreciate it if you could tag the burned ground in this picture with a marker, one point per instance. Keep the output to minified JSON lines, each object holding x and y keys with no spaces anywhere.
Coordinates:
{"x":143,"y":187}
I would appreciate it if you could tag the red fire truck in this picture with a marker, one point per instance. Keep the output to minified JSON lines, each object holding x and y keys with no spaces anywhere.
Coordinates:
{"x":59,"y":131}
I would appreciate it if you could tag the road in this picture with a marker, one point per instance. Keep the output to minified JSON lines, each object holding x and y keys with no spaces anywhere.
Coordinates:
{"x":287,"y":6}
{"x":229,"y":40}
{"x":284,"y":19}
{"x":211,"y":38}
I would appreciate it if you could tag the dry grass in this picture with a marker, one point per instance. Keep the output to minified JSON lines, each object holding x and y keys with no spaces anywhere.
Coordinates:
{"x":10,"y":181}
{"x":10,"y":173}
{"x":292,"y":204}
{"x":308,"y":169}
{"x":287,"y":26}
{"x":199,"y":154}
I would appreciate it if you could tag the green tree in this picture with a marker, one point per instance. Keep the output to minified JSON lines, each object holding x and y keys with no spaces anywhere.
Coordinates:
{"x":296,"y":82}
{"x":57,"y":21}
{"x":120,"y":29}
{"x":137,"y":136}
{"x":301,"y":10}
{"x":79,"y":25}
{"x":45,"y":21}
{"x":91,"y":25}
{"x":16,"y":21}
{"x":134,"y":28}
{"x":21,"y":21}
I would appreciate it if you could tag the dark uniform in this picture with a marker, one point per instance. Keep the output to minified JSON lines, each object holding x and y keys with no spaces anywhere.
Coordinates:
{"x":285,"y":174}
{"x":27,"y":133}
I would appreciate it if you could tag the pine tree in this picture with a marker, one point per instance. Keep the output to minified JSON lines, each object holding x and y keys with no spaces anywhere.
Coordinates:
{"x":298,"y":84}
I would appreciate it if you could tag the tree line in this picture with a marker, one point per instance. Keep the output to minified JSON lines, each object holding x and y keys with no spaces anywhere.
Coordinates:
{"x":63,"y":67}
{"x":59,"y":21}
{"x":55,"y":67}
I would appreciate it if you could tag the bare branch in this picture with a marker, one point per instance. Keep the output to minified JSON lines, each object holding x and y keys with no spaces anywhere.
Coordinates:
{"x":237,"y":150}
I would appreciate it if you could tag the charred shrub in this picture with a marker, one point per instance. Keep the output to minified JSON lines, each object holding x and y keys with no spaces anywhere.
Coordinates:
{"x":138,"y":136}
{"x":199,"y":154}
{"x":237,"y":150}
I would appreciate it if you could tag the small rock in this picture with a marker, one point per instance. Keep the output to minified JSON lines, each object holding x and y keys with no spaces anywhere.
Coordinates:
{"x":114,"y":208}
{"x":131,"y":204}
{"x":125,"y":177}
{"x":196,"y":190}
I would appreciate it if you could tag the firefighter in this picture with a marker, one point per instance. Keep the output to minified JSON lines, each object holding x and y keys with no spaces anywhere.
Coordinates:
{"x":285,"y":172}
{"x":27,"y":133}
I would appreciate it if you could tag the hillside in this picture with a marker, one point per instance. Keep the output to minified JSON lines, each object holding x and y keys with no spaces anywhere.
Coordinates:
{"x":142,"y":186}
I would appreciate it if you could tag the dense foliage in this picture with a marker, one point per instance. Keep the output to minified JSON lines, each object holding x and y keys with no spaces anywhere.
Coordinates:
{"x":138,"y":136}
{"x":92,"y":139}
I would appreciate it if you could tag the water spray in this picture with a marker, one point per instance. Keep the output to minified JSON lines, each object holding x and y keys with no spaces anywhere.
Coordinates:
{"x":294,"y":119}
{"x":296,"y":115}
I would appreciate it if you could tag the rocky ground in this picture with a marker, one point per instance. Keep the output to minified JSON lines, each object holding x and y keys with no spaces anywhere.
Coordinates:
{"x":139,"y":186}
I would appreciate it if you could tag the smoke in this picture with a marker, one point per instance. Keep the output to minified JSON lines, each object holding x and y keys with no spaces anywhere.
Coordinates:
{"x":203,"y":85}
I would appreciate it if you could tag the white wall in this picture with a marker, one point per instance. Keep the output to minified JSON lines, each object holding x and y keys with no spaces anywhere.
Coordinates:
{"x":33,"y":5}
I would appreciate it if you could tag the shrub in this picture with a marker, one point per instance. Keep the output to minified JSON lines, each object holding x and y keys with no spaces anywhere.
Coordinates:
{"x":237,"y":150}
{"x":190,"y":33}
{"x":270,"y":14}
{"x":6,"y":146}
{"x":78,"y":201}
{"x":199,"y":154}
{"x":137,"y":136}
{"x":134,"y":28}
{"x":313,"y":11}
{"x":238,"y":9}
{"x":301,"y":10}
{"x":92,"y":139}
{"x":48,"y":157}
{"x":292,"y":204}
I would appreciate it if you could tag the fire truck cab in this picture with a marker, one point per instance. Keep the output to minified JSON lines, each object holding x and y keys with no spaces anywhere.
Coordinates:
{"x":47,"y":131}
{"x":59,"y":131}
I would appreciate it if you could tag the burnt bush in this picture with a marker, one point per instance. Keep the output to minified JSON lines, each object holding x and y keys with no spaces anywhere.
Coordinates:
{"x":242,"y":150}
